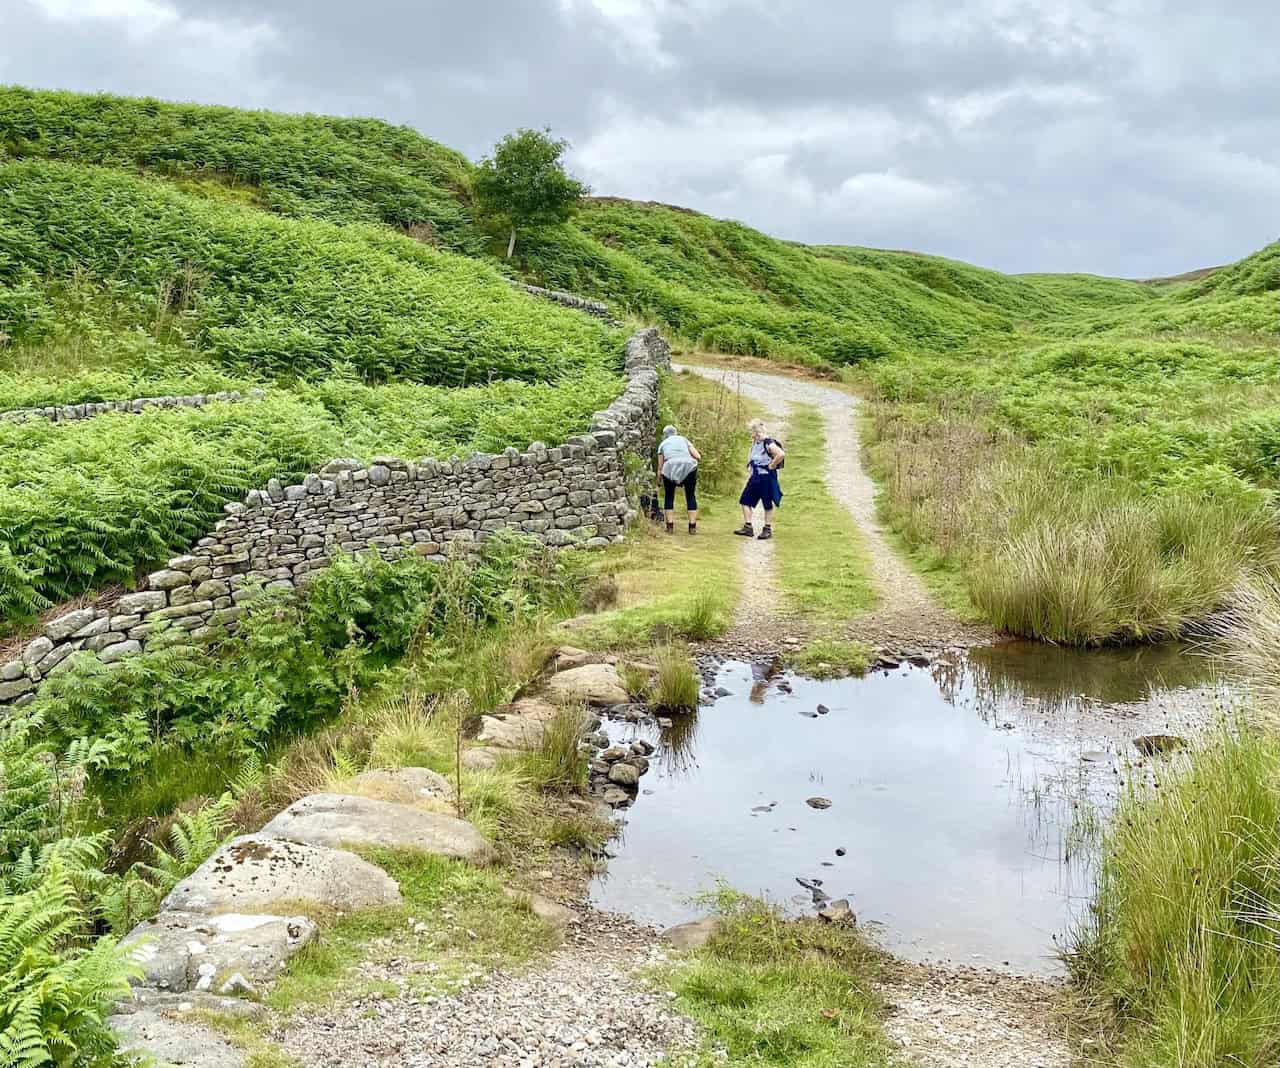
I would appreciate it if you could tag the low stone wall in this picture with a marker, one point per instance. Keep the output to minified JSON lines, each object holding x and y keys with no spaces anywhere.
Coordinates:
{"x":572,"y":300}
{"x":573,"y":493}
{"x":70,"y":413}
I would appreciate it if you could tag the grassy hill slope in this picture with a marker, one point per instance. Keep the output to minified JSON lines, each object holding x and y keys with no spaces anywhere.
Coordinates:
{"x":145,"y":242}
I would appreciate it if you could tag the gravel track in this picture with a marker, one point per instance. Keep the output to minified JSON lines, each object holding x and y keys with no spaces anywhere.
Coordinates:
{"x":908,"y":614}
{"x":581,"y":1006}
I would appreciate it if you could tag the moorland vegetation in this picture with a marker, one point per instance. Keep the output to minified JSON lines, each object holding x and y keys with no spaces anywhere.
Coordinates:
{"x":1095,"y":458}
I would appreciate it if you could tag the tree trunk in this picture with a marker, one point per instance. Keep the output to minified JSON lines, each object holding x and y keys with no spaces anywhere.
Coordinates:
{"x":511,"y":245}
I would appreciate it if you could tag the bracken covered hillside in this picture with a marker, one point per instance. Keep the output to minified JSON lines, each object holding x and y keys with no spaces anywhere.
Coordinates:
{"x":148,"y":247}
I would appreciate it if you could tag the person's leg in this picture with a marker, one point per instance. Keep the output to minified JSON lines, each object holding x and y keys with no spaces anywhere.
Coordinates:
{"x":669,"y":503}
{"x":691,"y":499}
{"x":767,"y":532}
{"x":749,"y":499}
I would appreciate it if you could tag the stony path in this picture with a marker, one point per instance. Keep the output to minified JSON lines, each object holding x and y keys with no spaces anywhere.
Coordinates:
{"x":582,"y":1006}
{"x":970,"y":1018}
{"x":908,"y":613}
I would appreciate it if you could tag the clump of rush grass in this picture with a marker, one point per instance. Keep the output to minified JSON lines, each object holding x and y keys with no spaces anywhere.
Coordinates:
{"x":785,"y":992}
{"x":1250,"y":633}
{"x":636,"y":678}
{"x":675,"y":684}
{"x":1180,"y":956}
{"x":703,"y":618}
{"x":559,"y":764}
{"x":829,"y":659}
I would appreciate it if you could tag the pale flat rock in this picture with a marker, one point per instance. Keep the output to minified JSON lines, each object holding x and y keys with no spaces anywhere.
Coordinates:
{"x":180,"y":951}
{"x":142,"y":997}
{"x":529,"y":708}
{"x":511,"y":732}
{"x":569,"y":656}
{"x":175,"y":1041}
{"x":481,"y":758}
{"x":342,"y":819}
{"x":593,"y":684}
{"x":404,"y":785}
{"x":254,"y":872}
{"x":693,"y":935}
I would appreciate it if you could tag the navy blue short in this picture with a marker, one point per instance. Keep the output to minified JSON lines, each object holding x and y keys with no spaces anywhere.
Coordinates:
{"x":759,"y":490}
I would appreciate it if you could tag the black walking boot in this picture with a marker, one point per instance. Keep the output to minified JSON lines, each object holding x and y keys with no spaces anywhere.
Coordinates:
{"x":766,"y":534}
{"x":746,"y":530}
{"x":693,"y":528}
{"x":671,"y":528}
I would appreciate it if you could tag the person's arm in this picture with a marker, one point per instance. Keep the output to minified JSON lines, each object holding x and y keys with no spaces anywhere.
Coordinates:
{"x":775,"y":450}
{"x":695,"y":454}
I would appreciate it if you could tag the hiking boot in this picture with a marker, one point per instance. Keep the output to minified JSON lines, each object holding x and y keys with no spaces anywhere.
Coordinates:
{"x":746,"y":530}
{"x":766,"y":534}
{"x":671,"y":528}
{"x":693,"y":528}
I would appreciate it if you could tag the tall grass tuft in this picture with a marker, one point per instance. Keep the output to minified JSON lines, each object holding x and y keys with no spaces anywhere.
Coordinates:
{"x":1181,"y":955}
{"x":1250,"y":629}
{"x":559,"y":764}
{"x":676,"y":684}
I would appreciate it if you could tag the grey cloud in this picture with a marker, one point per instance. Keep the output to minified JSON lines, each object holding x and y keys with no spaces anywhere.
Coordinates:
{"x":1134,"y":137}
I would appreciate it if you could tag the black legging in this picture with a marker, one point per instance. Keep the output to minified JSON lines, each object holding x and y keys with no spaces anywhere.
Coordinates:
{"x":690,"y":485}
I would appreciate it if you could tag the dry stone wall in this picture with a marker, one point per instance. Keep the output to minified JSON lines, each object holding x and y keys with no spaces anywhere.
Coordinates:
{"x":572,"y":300}
{"x":573,"y":493}
{"x":70,"y":413}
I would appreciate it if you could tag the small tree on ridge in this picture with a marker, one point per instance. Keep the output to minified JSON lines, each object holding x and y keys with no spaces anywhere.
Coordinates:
{"x":524,"y":183}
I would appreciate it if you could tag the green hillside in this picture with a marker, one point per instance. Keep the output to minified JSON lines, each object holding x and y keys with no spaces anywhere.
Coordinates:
{"x":148,"y":247}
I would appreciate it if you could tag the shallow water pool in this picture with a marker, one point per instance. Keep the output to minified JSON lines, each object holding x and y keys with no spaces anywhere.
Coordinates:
{"x":965,"y":796}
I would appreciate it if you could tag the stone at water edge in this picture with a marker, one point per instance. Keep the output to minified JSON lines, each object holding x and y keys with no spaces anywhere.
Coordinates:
{"x":617,"y":797}
{"x":594,"y":684}
{"x":818,"y":802}
{"x":181,"y":951}
{"x":340,"y":819}
{"x":549,"y":912}
{"x":837,"y":912}
{"x":404,"y":785}
{"x":692,"y":935}
{"x":175,"y":1042}
{"x":823,"y":710}
{"x":255,"y":871}
{"x":1159,"y":744}
{"x":624,"y":774}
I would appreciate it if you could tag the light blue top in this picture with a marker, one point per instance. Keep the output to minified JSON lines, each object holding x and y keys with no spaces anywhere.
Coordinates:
{"x":678,"y":460}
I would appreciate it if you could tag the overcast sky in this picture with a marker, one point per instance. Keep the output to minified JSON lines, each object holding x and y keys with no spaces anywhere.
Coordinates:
{"x":1127,"y":137}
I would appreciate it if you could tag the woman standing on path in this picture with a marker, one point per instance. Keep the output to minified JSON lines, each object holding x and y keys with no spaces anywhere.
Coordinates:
{"x":762,"y":481}
{"x":678,"y":466}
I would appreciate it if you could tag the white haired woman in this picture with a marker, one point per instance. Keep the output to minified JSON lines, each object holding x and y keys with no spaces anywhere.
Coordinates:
{"x":678,"y":466}
{"x":762,"y":486}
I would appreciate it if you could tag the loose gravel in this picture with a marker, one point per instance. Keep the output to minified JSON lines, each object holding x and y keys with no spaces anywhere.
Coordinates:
{"x":583,"y":1006}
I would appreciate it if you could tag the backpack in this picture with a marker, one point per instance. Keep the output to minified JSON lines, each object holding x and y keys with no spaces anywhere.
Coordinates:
{"x":774,"y":441}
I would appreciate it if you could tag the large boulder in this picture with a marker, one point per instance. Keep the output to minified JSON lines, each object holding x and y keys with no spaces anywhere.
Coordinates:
{"x":174,"y":1041}
{"x":361,"y":822}
{"x":592,"y":684}
{"x":255,"y":872}
{"x":511,"y":732}
{"x":405,"y":786}
{"x":181,"y":951}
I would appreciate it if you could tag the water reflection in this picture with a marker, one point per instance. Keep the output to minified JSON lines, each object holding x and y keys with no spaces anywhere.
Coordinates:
{"x":966,"y":797}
